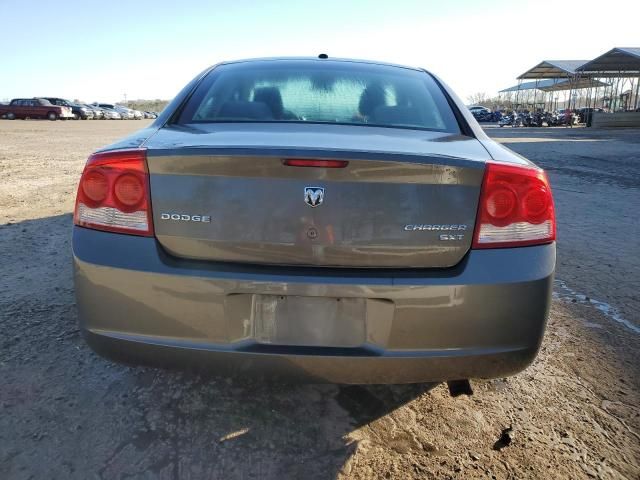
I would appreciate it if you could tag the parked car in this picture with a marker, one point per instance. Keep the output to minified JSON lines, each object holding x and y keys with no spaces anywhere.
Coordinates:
{"x":34,"y":108}
{"x":479,"y":109}
{"x":85,"y":113}
{"x":586,"y":113}
{"x":482,"y":114}
{"x":124,"y":112}
{"x":104,"y":105}
{"x":78,"y":111}
{"x":98,"y":113}
{"x":110,"y":112}
{"x":284,"y":216}
{"x":122,"y":115}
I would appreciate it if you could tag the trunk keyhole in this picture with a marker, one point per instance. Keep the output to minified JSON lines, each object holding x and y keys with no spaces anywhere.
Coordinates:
{"x":312,"y":233}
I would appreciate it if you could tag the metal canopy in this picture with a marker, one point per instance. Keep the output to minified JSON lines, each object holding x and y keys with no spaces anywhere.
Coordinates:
{"x":582,"y":79}
{"x":575,"y":84}
{"x":555,"y":84}
{"x":531,"y":85}
{"x":617,"y":62}
{"x":553,"y":69}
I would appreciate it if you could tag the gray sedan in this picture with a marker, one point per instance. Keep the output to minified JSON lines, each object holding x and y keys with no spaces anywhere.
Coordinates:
{"x":330,"y":220}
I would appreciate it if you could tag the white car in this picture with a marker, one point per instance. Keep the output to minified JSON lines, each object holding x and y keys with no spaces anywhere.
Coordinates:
{"x":124,"y":112}
{"x":479,"y":109}
{"x":110,"y":114}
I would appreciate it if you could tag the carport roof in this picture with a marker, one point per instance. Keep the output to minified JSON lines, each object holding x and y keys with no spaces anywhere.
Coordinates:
{"x":532,"y":85}
{"x":617,"y":61}
{"x":553,"y":69}
{"x":567,"y":84}
{"x":556,"y":84}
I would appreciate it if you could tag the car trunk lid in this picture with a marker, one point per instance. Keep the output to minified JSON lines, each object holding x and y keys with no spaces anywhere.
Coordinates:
{"x":405,"y":199}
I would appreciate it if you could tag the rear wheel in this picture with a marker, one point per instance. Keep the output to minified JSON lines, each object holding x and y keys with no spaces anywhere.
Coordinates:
{"x":76,"y":116}
{"x":53,"y":116}
{"x":11,"y":116}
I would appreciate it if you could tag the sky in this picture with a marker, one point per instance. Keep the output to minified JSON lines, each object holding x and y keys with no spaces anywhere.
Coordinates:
{"x":104,"y":50}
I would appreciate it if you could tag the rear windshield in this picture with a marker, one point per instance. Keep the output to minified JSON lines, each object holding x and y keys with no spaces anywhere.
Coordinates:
{"x":348,"y":93}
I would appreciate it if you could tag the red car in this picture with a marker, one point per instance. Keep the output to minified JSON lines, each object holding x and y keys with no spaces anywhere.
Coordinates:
{"x":34,"y":108}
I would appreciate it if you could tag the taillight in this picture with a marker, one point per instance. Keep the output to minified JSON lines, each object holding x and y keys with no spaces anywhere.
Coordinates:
{"x":113,"y":194}
{"x":516,"y":208}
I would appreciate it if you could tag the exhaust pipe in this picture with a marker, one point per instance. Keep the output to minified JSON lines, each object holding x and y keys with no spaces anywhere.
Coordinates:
{"x":459,"y":387}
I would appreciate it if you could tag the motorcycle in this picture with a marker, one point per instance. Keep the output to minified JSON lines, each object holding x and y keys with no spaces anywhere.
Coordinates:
{"x":566,"y":118}
{"x":513,"y":120}
{"x":505,"y":120}
{"x":527,"y":119}
{"x":546,"y":119}
{"x":538,"y":119}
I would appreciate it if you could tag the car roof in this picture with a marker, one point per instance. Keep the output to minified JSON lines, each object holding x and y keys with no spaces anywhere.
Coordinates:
{"x":29,"y":98}
{"x":316,"y":59}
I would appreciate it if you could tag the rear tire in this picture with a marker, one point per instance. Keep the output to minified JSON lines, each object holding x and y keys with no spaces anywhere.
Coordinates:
{"x":76,"y":116}
{"x":11,"y":116}
{"x":52,"y":116}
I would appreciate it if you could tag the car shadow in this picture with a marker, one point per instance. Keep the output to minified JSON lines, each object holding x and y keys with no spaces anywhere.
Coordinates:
{"x":69,"y":413}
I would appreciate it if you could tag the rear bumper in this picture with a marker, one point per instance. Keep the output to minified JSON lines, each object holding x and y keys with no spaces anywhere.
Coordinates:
{"x":483,"y":318}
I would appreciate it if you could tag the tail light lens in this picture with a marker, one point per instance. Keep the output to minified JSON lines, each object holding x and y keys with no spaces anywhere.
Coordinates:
{"x":516,"y":208}
{"x":114,"y":193}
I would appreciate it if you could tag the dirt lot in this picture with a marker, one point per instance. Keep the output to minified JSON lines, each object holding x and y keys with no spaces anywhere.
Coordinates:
{"x":65,"y":413}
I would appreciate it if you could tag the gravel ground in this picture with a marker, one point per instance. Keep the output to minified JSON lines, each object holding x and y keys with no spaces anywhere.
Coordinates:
{"x":66,"y":413}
